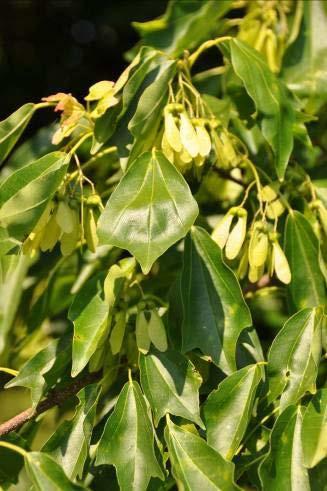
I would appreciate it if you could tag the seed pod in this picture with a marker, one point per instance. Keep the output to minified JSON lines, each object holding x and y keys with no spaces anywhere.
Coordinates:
{"x":270,"y":49}
{"x":228,"y":149}
{"x":236,"y":238}
{"x":268,"y":193}
{"x":199,"y":161}
{"x":322,"y":212}
{"x":65,"y":217}
{"x":90,"y":230}
{"x":43,"y":220}
{"x":172,"y":132}
{"x":275,"y":209}
{"x":68,"y":242}
{"x":244,"y":262}
{"x":166,"y":149}
{"x":221,"y":231}
{"x":184,"y":156}
{"x":255,"y":273}
{"x":188,"y":135}
{"x":258,"y":249}
{"x":157,"y":331}
{"x":51,"y":235}
{"x":281,"y":266}
{"x":142,"y":334}
{"x":117,"y":333}
{"x":204,"y":141}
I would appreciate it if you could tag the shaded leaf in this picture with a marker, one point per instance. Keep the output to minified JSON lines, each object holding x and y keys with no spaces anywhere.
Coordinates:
{"x":69,"y":445}
{"x":12,"y":128}
{"x":151,"y":209}
{"x":214,"y":310}
{"x":46,"y":474}
{"x":228,"y":410}
{"x":283,"y":468}
{"x":127,"y":441}
{"x":307,"y":288}
{"x":314,"y":429}
{"x":184,"y":25}
{"x":171,"y":385}
{"x":89,"y":313}
{"x":294,"y":357}
{"x":43,"y":370}
{"x":305,"y":62}
{"x":195,"y":464}
{"x":270,"y":99}
{"x":26,"y":192}
{"x":152,"y":100}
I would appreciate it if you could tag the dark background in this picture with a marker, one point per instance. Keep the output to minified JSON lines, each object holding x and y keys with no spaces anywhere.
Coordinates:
{"x":49,"y":46}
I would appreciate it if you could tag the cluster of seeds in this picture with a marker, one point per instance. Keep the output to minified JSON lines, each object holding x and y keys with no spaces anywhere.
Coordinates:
{"x":150,"y":329}
{"x":63,"y":221}
{"x":258,"y":250}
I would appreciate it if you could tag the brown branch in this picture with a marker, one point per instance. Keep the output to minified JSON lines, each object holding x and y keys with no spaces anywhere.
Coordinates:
{"x":55,"y":398}
{"x":226,"y":175}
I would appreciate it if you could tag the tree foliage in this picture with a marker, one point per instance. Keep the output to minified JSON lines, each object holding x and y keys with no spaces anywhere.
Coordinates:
{"x":164,"y":260}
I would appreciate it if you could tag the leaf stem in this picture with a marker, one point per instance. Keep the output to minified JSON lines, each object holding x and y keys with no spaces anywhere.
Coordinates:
{"x":13,"y":447}
{"x":10,"y":371}
{"x":206,"y":45}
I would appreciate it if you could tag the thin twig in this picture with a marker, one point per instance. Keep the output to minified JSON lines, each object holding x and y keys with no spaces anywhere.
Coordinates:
{"x":55,"y":398}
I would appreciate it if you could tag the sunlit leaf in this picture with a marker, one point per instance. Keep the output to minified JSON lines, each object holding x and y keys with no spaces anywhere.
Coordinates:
{"x":195,"y":464}
{"x":171,"y":385}
{"x":214,"y":311}
{"x":127,"y":441}
{"x":314,"y":429}
{"x":151,"y":208}
{"x":12,"y":128}
{"x":228,"y":409}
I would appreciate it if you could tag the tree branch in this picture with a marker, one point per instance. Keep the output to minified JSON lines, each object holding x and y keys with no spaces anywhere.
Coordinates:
{"x":55,"y":398}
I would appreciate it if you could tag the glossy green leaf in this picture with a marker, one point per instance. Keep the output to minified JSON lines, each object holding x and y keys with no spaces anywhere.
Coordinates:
{"x":25,"y":193}
{"x":127,"y":441}
{"x":305,"y":61}
{"x":314,"y":429}
{"x":270,"y":99}
{"x":89,"y":313}
{"x":12,"y":128}
{"x":171,"y":385}
{"x":152,"y":100}
{"x":214,"y":310}
{"x":228,"y":410}
{"x":151,"y":209}
{"x":105,"y":126}
{"x":294,"y":357}
{"x":46,"y":474}
{"x":184,"y":25}
{"x":283,"y":468}
{"x":307,"y":288}
{"x":14,"y":269}
{"x":69,"y":445}
{"x":43,"y":370}
{"x":195,"y":464}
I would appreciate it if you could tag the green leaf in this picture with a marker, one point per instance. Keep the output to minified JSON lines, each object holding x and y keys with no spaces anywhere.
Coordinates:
{"x":25,"y":193}
{"x":139,"y":69}
{"x":294,"y":357}
{"x":127,"y":441}
{"x":43,"y":370}
{"x":214,"y":310}
{"x":228,"y":410}
{"x":46,"y":474}
{"x":12,"y":128}
{"x":89,"y":313}
{"x":11,"y":462}
{"x":305,"y":61}
{"x":283,"y":468}
{"x":14,"y":270}
{"x":307,"y":288}
{"x":151,"y":209}
{"x":152,"y":100}
{"x":184,"y":25}
{"x":270,"y":99}
{"x":171,"y":385}
{"x":69,"y":445}
{"x":314,"y":429}
{"x":195,"y":464}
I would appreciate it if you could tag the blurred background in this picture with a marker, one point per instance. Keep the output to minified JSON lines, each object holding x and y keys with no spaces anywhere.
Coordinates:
{"x":47,"y":46}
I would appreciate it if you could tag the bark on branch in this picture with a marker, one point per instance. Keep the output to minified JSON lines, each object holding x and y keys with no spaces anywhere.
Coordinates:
{"x":55,"y":398}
